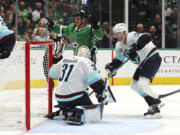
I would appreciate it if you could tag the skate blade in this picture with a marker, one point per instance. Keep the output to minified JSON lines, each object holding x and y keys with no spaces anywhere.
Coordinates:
{"x":153,"y":116}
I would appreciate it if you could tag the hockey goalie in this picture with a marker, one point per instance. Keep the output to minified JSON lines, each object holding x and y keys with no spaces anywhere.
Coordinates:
{"x":74,"y":75}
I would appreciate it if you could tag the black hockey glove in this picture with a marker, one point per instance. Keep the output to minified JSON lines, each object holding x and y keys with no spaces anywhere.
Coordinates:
{"x":4,"y":53}
{"x":110,"y":68}
{"x":94,"y":22}
{"x":51,"y":23}
{"x":102,"y":98}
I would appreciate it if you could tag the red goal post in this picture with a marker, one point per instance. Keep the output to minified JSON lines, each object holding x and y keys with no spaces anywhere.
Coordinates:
{"x":27,"y":78}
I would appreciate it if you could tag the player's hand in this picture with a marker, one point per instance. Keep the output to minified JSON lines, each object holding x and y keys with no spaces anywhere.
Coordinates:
{"x":103,"y":98}
{"x":94,"y":22}
{"x":110,"y":70}
{"x":94,"y":50}
{"x":58,"y":55}
{"x":51,"y":23}
{"x":53,"y":36}
{"x":133,"y":56}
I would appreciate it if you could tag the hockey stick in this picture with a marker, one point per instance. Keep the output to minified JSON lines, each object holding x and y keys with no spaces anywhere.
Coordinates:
{"x":110,"y":76}
{"x":168,"y":94}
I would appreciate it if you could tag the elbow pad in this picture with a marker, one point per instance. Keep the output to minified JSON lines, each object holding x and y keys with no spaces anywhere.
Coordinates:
{"x":143,"y":40}
{"x":98,"y":86}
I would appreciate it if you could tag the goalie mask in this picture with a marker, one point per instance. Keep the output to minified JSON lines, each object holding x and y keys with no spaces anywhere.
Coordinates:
{"x":84,"y":51}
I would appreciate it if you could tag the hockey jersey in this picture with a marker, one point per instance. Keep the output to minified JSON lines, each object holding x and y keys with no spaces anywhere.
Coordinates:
{"x":132,"y":38}
{"x":4,"y":31}
{"x":74,"y":75}
{"x":84,"y":36}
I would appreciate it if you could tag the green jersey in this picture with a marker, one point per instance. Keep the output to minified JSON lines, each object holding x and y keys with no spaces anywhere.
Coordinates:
{"x":84,"y":36}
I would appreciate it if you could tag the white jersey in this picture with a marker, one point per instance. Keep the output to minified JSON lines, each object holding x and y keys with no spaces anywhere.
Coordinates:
{"x":4,"y":31}
{"x":74,"y":75}
{"x":132,"y":37}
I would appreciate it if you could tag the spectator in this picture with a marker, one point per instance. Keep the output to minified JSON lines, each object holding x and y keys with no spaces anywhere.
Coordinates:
{"x":40,"y":35}
{"x":155,"y":38}
{"x":28,"y":35}
{"x":170,"y":40}
{"x":158,"y":24}
{"x":22,"y":27}
{"x":2,"y":12}
{"x":66,"y":13}
{"x":20,"y":38}
{"x":140,"y":28}
{"x":54,"y":15}
{"x":104,"y":43}
{"x":9,"y":15}
{"x":22,"y":8}
{"x":37,"y":12}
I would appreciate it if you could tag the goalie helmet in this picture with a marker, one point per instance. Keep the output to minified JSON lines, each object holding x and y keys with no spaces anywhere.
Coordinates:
{"x":120,"y":27}
{"x":84,"y":51}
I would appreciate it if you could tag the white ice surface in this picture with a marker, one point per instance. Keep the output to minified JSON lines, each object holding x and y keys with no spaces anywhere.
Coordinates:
{"x":122,"y":118}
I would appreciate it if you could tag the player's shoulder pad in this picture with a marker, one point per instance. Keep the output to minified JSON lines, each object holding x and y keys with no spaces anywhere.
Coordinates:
{"x":85,"y":60}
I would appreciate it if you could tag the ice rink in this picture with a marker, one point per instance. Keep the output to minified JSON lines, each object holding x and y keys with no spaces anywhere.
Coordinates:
{"x":125,"y":117}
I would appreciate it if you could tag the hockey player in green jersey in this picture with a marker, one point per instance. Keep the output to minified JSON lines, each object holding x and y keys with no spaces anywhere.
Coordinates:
{"x":80,"y":32}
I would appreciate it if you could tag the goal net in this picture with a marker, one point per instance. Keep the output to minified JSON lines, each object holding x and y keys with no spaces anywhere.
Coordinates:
{"x":25,"y":92}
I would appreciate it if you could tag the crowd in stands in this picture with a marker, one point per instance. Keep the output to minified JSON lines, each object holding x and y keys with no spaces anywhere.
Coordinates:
{"x":32,"y":27}
{"x":30,"y":13}
{"x":150,"y":18}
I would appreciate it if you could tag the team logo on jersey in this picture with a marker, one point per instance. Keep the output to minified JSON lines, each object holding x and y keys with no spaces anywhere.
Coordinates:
{"x":126,"y":53}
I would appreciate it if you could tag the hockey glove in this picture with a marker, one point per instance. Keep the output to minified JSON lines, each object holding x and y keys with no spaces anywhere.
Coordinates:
{"x":133,"y":56}
{"x":51,"y":23}
{"x":4,"y":53}
{"x":110,"y":69}
{"x":94,"y":22}
{"x":102,"y":98}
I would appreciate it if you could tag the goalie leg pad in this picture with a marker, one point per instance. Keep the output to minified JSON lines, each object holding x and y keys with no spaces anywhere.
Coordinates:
{"x":84,"y":114}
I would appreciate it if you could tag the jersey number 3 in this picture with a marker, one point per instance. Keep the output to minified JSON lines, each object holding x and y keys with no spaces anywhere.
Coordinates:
{"x":67,"y":69}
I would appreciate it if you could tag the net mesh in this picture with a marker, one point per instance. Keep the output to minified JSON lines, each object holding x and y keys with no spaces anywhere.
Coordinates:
{"x":12,"y":87}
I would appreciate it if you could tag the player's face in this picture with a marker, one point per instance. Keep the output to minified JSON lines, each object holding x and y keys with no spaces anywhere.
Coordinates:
{"x":77,"y":20}
{"x":119,"y":36}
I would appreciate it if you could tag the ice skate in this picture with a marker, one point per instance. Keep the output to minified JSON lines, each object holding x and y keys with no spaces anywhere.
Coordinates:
{"x":154,"y":111}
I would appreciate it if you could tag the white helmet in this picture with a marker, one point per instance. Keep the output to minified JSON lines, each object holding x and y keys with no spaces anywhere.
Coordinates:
{"x":120,"y":27}
{"x":84,"y":51}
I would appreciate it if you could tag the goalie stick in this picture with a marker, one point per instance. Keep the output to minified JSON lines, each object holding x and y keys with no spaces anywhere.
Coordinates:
{"x":168,"y":94}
